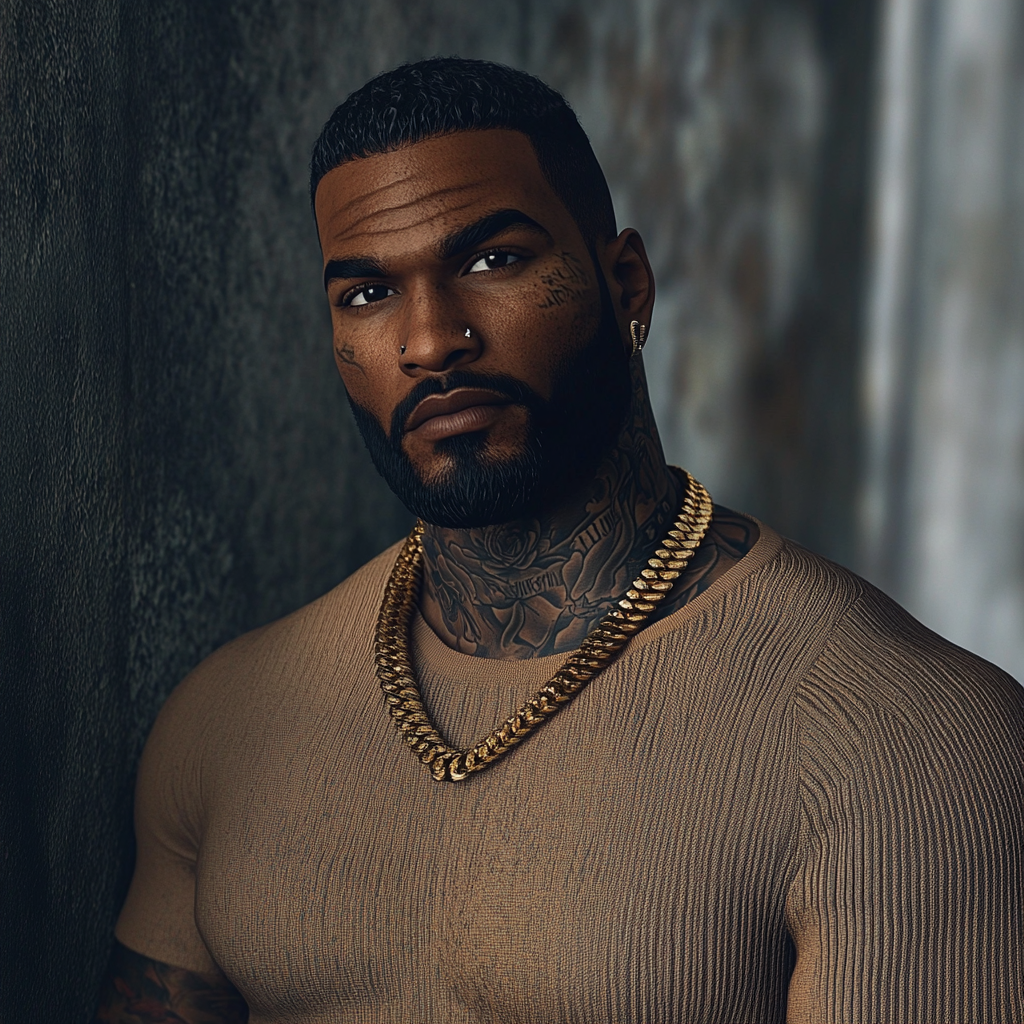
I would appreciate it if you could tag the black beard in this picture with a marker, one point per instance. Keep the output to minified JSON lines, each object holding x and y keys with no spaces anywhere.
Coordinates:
{"x":566,"y":438}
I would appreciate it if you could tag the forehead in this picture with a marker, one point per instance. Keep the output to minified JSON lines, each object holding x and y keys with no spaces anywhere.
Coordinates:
{"x":427,"y":187}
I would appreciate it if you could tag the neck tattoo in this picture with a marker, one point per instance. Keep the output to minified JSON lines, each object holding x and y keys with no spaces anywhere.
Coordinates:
{"x":537,"y":587}
{"x":599,"y":648}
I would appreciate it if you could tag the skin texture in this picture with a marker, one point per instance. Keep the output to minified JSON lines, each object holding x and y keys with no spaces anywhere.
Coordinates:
{"x":139,"y":990}
{"x":533,"y":587}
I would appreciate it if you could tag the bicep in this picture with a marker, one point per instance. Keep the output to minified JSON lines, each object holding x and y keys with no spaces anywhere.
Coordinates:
{"x":907,"y":904}
{"x":140,"y":990}
{"x":158,"y":916}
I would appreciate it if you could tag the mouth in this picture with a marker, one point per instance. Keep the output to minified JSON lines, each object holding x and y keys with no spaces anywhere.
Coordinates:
{"x":461,"y":411}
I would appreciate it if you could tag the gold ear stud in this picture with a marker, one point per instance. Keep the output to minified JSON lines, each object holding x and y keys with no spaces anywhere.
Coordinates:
{"x":638,"y":332}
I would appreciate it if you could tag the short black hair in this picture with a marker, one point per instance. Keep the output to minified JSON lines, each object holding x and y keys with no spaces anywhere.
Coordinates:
{"x":451,"y":94}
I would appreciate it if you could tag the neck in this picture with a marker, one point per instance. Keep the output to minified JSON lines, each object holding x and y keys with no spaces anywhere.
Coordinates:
{"x":537,"y":586}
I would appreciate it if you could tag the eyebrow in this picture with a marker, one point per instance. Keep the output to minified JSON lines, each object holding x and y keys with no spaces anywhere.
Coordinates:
{"x":459,"y":241}
{"x":485,"y":228}
{"x":356,"y":266}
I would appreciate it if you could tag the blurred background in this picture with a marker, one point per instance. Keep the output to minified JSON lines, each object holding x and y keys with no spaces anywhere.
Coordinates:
{"x":832,"y":192}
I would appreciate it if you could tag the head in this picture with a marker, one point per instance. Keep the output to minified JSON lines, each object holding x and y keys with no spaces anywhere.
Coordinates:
{"x":480,"y":296}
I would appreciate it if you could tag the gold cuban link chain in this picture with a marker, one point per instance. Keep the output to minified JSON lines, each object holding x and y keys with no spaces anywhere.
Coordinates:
{"x":598,"y":649}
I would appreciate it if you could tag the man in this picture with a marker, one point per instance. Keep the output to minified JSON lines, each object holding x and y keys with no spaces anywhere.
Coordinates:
{"x":758,"y":792}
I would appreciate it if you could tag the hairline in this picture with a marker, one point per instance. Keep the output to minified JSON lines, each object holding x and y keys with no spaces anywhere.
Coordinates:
{"x":405,"y":144}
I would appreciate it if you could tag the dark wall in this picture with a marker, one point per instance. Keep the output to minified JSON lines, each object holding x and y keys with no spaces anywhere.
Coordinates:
{"x":177,"y":460}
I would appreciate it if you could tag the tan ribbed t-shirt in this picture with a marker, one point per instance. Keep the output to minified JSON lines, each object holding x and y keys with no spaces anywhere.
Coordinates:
{"x":788,"y":801}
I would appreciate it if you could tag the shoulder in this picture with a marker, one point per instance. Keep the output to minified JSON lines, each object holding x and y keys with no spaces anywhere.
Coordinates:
{"x":271,"y":667}
{"x":341,"y":618}
{"x":910,"y":803}
{"x":884,"y":663}
{"x":869,"y":664}
{"x":777,"y":597}
{"x":890,"y":707}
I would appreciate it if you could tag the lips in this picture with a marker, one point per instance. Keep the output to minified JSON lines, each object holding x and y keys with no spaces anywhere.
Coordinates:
{"x":456,"y":412}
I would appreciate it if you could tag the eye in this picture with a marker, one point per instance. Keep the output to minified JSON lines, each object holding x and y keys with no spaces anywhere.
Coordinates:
{"x":368,"y":293}
{"x":493,"y":261}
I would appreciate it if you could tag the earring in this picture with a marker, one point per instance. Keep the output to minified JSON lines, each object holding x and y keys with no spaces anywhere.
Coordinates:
{"x":638,"y":332}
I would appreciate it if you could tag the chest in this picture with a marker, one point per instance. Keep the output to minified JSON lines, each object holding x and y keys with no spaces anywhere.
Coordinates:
{"x":613,"y":868}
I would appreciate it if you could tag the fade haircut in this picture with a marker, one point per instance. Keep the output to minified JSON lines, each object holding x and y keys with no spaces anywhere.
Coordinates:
{"x":442,"y":95}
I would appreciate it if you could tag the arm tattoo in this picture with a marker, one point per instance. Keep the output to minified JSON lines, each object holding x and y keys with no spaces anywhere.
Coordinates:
{"x":139,"y":990}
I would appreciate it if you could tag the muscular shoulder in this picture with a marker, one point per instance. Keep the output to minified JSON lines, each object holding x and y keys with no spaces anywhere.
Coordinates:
{"x":268,"y":673}
{"x":335,"y":625}
{"x":865,"y":659}
{"x":888,"y":698}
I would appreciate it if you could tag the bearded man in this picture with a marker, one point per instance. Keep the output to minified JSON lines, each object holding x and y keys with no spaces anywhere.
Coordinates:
{"x":752,"y":788}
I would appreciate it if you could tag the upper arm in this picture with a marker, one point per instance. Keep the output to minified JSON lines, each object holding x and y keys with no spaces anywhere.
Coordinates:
{"x":908,"y":899}
{"x":160,"y":969}
{"x":140,"y":990}
{"x":158,"y":917}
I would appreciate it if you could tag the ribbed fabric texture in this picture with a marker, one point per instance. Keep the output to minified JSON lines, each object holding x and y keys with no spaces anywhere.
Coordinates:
{"x":788,"y":801}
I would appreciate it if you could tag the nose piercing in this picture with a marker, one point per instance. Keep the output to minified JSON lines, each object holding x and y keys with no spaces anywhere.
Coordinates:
{"x":401,"y":351}
{"x":469,"y":334}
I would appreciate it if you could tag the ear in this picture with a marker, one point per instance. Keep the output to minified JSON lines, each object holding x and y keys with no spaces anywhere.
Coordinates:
{"x":630,"y":281}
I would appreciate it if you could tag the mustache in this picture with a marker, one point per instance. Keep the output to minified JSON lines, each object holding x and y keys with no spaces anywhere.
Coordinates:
{"x":511,"y":388}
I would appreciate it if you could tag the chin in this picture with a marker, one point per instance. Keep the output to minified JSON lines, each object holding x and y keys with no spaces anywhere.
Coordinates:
{"x":470,"y":452}
{"x":477,"y":484}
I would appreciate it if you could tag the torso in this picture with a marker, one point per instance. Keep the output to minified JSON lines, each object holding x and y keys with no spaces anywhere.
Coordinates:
{"x":749,"y":778}
{"x":605,"y":871}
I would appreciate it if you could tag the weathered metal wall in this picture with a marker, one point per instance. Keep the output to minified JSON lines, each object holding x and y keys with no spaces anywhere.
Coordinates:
{"x":178,"y":464}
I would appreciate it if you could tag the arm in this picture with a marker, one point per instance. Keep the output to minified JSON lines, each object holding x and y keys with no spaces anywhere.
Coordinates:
{"x":161,"y":969}
{"x":908,"y":902}
{"x":138,"y":990}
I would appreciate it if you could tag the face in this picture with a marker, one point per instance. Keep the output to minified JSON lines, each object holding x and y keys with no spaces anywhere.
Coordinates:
{"x":476,"y":338}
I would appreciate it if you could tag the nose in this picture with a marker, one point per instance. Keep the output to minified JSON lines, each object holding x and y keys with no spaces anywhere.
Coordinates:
{"x":435,"y":339}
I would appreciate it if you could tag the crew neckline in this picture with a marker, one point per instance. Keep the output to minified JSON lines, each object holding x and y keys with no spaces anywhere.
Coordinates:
{"x":433,"y":650}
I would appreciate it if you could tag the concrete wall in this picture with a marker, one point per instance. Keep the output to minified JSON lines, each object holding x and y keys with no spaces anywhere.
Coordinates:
{"x":178,"y":463}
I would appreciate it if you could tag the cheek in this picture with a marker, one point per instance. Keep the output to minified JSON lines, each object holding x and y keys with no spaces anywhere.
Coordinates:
{"x":367,"y":382}
{"x":540,"y":325}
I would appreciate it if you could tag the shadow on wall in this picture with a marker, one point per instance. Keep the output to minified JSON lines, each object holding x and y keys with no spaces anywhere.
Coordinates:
{"x":178,"y":458}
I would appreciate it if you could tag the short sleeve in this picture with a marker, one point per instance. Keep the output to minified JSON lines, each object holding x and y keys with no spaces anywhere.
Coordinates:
{"x":158,"y":917}
{"x":907,"y":902}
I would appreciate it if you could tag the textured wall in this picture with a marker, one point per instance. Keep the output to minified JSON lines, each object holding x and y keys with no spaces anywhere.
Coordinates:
{"x":178,"y":463}
{"x":735,"y":136}
{"x":943,"y":499}
{"x":178,"y":460}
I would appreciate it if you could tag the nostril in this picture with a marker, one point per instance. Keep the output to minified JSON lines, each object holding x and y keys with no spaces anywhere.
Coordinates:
{"x":454,"y":357}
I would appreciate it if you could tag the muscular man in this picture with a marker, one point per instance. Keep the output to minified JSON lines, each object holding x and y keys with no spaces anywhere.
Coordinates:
{"x":760,"y":792}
